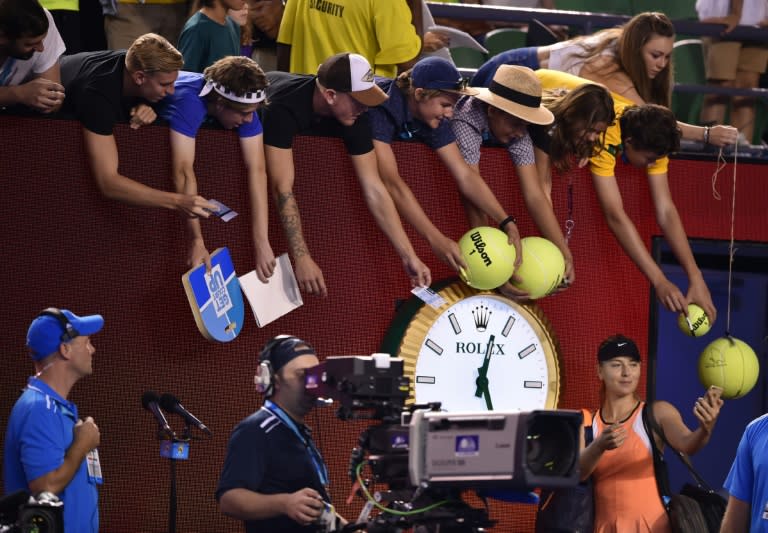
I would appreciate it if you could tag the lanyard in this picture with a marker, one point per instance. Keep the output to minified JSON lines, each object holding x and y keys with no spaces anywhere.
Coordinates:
{"x":314,"y":453}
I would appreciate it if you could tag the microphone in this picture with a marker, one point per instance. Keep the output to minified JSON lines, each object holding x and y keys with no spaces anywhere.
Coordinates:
{"x":171,"y":403}
{"x":150,"y":400}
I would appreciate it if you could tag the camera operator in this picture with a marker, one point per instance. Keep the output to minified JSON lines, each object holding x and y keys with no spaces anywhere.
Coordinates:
{"x":274,"y":478}
{"x":46,"y":444}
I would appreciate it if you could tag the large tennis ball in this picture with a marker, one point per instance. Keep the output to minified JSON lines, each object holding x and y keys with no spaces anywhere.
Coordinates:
{"x":490,"y":258}
{"x":543,"y":267}
{"x":699,"y":321}
{"x":731,"y":365}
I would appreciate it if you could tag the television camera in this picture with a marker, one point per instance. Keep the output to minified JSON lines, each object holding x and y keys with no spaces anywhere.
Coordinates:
{"x":428,"y":457}
{"x":22,"y":513}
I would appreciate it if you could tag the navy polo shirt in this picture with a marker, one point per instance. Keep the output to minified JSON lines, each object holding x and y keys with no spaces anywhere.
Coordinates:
{"x":40,"y":431}
{"x":265,"y":456}
{"x":393,"y":121}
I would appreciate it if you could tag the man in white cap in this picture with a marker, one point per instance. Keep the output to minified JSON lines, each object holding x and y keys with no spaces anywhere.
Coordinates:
{"x":335,"y":101}
{"x":48,"y":448}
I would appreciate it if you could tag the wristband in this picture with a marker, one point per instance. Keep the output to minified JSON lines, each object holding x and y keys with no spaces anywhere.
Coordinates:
{"x":706,"y":134}
{"x":503,"y":223}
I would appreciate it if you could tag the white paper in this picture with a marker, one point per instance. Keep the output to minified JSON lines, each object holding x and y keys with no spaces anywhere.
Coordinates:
{"x":459,"y":38}
{"x":278,"y":296}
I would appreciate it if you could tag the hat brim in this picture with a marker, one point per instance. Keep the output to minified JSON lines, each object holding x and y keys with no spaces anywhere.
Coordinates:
{"x":467,"y":91}
{"x":535,"y":115}
{"x":371,"y":97}
{"x":88,"y":325}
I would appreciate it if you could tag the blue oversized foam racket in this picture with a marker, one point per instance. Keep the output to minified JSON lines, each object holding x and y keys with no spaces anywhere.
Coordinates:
{"x":215,"y":298}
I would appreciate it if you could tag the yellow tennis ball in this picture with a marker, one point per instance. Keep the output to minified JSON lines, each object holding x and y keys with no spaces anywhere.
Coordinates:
{"x":543,"y":267}
{"x":490,"y":258}
{"x":699,"y":321}
{"x":729,"y":364}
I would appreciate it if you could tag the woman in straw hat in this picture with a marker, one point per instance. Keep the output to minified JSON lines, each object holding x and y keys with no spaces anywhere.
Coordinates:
{"x":419,"y":107}
{"x":505,"y":112}
{"x":634,"y":61}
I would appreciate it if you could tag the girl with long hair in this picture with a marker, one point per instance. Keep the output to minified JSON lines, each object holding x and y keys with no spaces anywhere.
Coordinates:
{"x":633,"y":61}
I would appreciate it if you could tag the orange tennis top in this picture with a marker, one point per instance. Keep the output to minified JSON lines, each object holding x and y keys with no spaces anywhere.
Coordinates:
{"x":626,"y":497}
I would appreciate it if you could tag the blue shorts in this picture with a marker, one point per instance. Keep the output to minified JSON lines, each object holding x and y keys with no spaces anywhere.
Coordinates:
{"x":526,"y":57}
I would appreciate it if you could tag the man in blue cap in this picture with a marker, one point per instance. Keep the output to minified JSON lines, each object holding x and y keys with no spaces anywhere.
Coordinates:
{"x":48,"y":448}
{"x":274,"y":478}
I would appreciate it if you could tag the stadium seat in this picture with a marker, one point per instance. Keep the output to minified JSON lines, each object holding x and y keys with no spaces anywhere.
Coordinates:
{"x":688,"y":57}
{"x":503,"y":39}
{"x":467,"y":57}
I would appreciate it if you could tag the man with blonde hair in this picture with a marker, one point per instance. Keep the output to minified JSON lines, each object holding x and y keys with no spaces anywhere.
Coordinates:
{"x":228,"y":92}
{"x":106,"y":87}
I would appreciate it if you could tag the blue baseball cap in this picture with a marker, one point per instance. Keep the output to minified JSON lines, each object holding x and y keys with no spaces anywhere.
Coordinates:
{"x":53,"y":326}
{"x":439,"y":74}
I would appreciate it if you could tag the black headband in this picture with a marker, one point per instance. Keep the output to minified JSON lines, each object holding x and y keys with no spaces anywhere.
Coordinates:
{"x":515,"y":96}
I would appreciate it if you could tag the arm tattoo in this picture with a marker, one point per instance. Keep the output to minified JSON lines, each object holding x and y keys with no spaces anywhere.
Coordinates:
{"x":289,"y":217}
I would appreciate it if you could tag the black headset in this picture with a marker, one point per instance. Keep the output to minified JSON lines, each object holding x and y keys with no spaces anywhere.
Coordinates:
{"x":265,"y":375}
{"x":69,"y":330}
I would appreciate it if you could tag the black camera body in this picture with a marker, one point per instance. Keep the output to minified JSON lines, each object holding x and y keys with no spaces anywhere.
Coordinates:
{"x":22,"y":513}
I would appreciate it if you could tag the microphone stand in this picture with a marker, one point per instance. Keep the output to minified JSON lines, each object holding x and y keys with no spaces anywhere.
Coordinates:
{"x":175,"y":449}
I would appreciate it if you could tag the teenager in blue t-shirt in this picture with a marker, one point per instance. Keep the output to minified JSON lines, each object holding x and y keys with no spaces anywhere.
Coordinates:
{"x":747,"y":482}
{"x":227,"y":93}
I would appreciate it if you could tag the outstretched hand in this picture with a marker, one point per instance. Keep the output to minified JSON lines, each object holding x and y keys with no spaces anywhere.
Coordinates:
{"x":417,"y":271}
{"x":698,"y":293}
{"x":448,"y":251}
{"x":670,"y":297}
{"x":513,"y":238}
{"x":512,"y":292}
{"x":195,"y":205}
{"x":707,"y":408}
{"x":723,"y":135}
{"x":198,"y":254}
{"x":310,"y":277}
{"x":265,"y":260}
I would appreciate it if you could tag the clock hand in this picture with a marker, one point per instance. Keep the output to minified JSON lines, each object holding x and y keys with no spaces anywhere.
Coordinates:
{"x":482,"y":378}
{"x":487,"y":395}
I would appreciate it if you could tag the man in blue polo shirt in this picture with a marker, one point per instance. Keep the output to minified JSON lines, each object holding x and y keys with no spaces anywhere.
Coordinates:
{"x":48,"y":448}
{"x":274,"y":478}
{"x":227,"y":94}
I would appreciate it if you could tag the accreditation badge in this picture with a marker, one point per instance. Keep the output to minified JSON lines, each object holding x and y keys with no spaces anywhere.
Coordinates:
{"x":94,"y":467}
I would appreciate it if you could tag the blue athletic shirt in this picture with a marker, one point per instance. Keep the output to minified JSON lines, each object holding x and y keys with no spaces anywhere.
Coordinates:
{"x":38,"y":436}
{"x":186,"y":111}
{"x":748,"y":478}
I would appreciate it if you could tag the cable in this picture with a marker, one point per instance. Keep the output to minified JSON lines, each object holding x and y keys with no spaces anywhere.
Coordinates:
{"x":384,"y":509}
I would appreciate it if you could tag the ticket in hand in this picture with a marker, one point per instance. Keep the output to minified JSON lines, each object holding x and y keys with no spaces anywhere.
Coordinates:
{"x":223,"y":212}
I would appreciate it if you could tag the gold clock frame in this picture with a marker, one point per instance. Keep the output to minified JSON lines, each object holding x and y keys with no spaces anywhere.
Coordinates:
{"x":425,"y":317}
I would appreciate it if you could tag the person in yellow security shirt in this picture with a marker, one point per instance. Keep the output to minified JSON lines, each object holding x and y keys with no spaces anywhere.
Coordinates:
{"x":379,"y":30}
{"x":642,"y":136}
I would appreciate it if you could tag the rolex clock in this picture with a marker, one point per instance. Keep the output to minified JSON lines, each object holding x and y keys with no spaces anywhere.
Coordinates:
{"x":479,"y":351}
